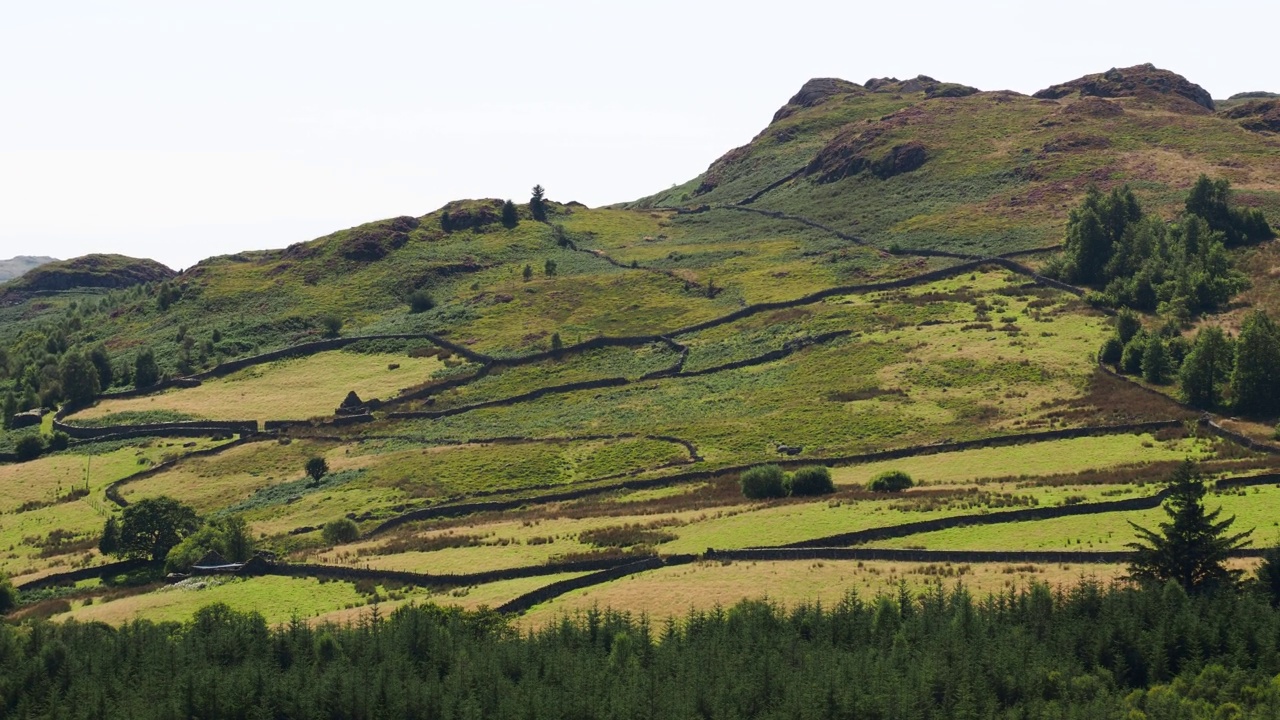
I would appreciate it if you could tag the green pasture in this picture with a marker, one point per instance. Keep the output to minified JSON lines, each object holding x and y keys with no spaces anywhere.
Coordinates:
{"x":671,"y":592}
{"x":1055,"y":457}
{"x":47,"y":523}
{"x":1255,"y":509}
{"x":291,"y":389}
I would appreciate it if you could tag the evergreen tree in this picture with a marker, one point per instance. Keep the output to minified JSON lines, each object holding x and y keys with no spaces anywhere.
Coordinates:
{"x":145,"y":370}
{"x":549,"y":267}
{"x":9,"y":409}
{"x":446,"y":222}
{"x":102,"y":363}
{"x":509,"y":216}
{"x":537,"y":205}
{"x":79,"y":378}
{"x":1193,"y":546}
{"x":1255,"y":384}
{"x":1206,"y":369}
{"x":1211,"y":200}
{"x":1155,"y":362}
{"x":109,"y":543}
{"x":527,"y":273}
{"x":1128,"y":324}
{"x":1094,"y":229}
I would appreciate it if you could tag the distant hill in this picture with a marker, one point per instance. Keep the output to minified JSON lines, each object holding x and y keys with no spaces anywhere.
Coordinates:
{"x":15,"y":266}
{"x":90,"y":271}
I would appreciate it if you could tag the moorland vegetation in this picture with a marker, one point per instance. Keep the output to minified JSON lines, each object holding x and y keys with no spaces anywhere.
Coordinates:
{"x":912,"y":337}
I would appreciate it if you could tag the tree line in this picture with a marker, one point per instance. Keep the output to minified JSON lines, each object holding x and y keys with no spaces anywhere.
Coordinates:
{"x":1214,"y":371}
{"x":1081,"y":652}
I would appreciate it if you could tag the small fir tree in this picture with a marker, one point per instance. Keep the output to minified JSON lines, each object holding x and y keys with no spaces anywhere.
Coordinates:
{"x":1193,"y":546}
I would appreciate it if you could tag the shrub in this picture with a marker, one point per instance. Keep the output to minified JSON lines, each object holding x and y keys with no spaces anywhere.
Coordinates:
{"x":1131,"y":358}
{"x":331,"y":324}
{"x":890,"y":481}
{"x":812,"y":480}
{"x":1112,"y":351}
{"x":28,"y":447}
{"x":421,"y":301}
{"x":340,"y":531}
{"x":763,"y":481}
{"x":317,"y":468}
{"x":59,"y":440}
{"x":8,"y":595}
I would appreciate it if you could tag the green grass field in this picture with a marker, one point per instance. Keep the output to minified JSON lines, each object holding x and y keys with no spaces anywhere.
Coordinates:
{"x":294,"y":389}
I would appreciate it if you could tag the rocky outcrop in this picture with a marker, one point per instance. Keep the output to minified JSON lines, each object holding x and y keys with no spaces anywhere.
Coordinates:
{"x":375,"y":240}
{"x":852,"y":152}
{"x":1256,"y":115}
{"x":921,"y":83}
{"x":1140,"y":81}
{"x":815,"y":92}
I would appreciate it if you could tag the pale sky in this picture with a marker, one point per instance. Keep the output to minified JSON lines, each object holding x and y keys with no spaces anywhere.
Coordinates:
{"x":180,"y":130}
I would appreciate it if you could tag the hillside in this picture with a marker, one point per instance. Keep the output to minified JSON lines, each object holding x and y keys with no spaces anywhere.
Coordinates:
{"x":88,"y":271}
{"x":15,"y":266}
{"x":925,"y":164}
{"x":543,"y":406}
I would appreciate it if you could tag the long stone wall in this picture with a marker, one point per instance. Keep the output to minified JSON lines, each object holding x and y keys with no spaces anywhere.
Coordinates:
{"x":470,"y":508}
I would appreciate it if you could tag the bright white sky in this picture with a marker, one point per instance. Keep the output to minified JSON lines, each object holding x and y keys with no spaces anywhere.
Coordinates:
{"x":179,"y":130}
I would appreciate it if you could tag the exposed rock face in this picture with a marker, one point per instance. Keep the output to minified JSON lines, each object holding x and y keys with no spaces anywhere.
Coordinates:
{"x":1254,"y":95}
{"x":1140,"y":81}
{"x":921,"y":83}
{"x":1257,"y":115}
{"x":470,"y":214}
{"x":374,"y":241}
{"x":815,"y":92}
{"x":851,"y":152}
{"x":716,"y":173}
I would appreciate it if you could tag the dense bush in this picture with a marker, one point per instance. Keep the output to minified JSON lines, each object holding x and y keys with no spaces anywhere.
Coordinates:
{"x":229,"y":537}
{"x":343,"y":530}
{"x":1112,"y":351}
{"x":59,"y":441}
{"x":330,"y":325}
{"x":763,"y":482}
{"x":8,"y":594}
{"x":812,"y":480}
{"x":890,"y":481}
{"x":28,"y":447}
{"x":421,"y":301}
